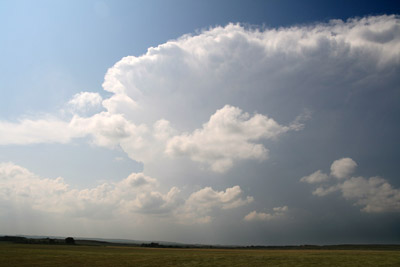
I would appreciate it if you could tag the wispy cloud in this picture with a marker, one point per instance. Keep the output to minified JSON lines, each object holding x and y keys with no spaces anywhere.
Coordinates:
{"x":277,"y":213}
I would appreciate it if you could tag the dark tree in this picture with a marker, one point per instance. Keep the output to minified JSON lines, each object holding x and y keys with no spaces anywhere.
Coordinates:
{"x":70,"y":241}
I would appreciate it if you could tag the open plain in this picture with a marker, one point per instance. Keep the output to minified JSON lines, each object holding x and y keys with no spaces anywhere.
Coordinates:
{"x":64,"y":255}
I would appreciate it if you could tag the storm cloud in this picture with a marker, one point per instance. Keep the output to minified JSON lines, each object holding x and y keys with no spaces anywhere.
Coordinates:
{"x":226,"y":122}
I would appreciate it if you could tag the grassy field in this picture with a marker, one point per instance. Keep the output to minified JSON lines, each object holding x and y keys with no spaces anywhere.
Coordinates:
{"x":62,"y":255}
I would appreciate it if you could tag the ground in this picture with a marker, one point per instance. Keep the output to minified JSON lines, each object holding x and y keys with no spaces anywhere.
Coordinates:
{"x":64,"y":255}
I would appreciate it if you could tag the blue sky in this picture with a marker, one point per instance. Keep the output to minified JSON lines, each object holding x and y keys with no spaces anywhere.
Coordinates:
{"x":218,"y":127}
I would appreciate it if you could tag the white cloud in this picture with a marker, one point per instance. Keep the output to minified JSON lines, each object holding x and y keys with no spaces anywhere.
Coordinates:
{"x":374,"y":195}
{"x":228,"y":136}
{"x":207,"y":198}
{"x":184,"y":81}
{"x":316,"y":177}
{"x":85,"y":101}
{"x":262,"y":216}
{"x":45,"y":130}
{"x":343,"y":168}
{"x":107,"y":129}
{"x":18,"y":185}
{"x":160,"y":100}
{"x":203,"y":202}
{"x":135,"y":194}
{"x":139,"y":180}
{"x":279,"y":210}
{"x":323,"y":191}
{"x":155,"y":202}
{"x":119,"y":103}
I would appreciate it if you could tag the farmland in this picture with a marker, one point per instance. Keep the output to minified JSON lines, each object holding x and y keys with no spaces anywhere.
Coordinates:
{"x":80,"y":255}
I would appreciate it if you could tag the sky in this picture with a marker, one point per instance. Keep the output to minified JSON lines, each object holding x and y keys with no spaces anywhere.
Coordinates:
{"x":214,"y":122}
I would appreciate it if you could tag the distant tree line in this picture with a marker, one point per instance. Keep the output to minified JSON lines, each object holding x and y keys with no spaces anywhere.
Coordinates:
{"x":25,"y":240}
{"x":71,"y":241}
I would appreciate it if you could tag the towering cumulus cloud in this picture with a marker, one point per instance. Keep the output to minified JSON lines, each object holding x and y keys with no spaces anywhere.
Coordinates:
{"x":195,"y":108}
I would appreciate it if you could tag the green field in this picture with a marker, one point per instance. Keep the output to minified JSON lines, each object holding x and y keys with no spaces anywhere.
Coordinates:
{"x":62,"y":255}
